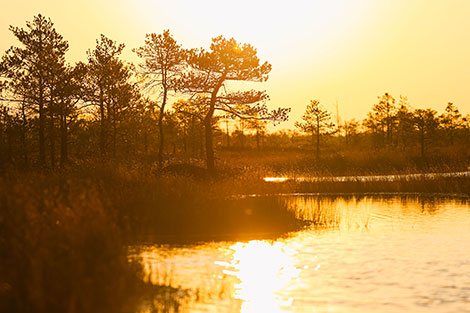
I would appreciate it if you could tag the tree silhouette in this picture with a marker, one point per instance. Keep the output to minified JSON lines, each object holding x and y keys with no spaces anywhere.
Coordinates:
{"x":106,"y":75}
{"x":190,"y":114}
{"x":451,"y":121}
{"x":259,"y":127}
{"x":209,"y":71}
{"x":32,"y":70}
{"x":317,"y":121}
{"x":16,"y":113}
{"x":3,"y":81}
{"x":426,"y":122}
{"x":404,"y":122}
{"x":350,"y":129}
{"x":63,"y":109}
{"x":163,"y":64}
{"x":382,"y":119}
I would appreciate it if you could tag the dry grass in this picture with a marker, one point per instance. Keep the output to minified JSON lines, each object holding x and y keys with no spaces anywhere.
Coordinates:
{"x":63,"y":243}
{"x":62,"y":250}
{"x":354,"y":161}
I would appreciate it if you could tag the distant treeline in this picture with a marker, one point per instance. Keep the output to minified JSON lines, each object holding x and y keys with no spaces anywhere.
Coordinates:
{"x":391,"y":125}
{"x":52,"y":113}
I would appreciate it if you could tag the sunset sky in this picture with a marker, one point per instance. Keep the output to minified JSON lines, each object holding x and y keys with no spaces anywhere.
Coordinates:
{"x":335,"y":50}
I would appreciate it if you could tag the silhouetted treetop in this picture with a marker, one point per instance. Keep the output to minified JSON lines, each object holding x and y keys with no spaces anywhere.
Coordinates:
{"x":41,"y":43}
{"x":163,"y":59}
{"x":317,"y":121}
{"x":226,"y":60}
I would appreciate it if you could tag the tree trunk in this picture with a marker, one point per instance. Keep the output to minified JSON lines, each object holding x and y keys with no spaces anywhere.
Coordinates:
{"x":23,"y":134}
{"x":228,"y":134}
{"x":63,"y":140}
{"x":201,"y":141}
{"x":9,"y":144}
{"x":422,"y":143}
{"x":110,"y":125}
{"x":209,"y":141}
{"x":42,"y":143}
{"x":102,"y":124}
{"x":145,"y":141}
{"x":114,"y":131}
{"x":318,"y":141}
{"x":160,"y":129}
{"x":51,"y":138}
{"x":185,"y":139}
{"x":208,"y":133}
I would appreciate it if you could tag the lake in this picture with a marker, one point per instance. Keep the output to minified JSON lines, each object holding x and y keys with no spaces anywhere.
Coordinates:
{"x":373,"y":253}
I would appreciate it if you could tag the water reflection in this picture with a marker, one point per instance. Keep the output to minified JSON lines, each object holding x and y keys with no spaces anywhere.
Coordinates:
{"x":381,"y":254}
{"x":263,"y":270}
{"x":276,"y":179}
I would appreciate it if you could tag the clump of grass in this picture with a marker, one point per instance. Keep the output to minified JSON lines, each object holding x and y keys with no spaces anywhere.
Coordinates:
{"x":62,"y":251}
{"x":319,"y":211}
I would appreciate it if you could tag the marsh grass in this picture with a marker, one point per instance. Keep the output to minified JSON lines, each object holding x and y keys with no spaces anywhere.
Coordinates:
{"x":345,"y":162}
{"x":444,"y":186}
{"x":64,"y":249}
{"x":320,"y":211}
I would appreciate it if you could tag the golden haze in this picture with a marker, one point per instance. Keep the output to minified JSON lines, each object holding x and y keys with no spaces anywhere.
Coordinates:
{"x":339,"y":50}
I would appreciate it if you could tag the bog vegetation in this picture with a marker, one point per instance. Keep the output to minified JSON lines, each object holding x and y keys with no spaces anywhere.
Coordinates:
{"x":102,"y":154}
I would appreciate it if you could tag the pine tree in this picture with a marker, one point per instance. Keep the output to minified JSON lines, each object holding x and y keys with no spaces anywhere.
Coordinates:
{"x":163,"y":64}
{"x":316,"y":121}
{"x":33,"y":70}
{"x":209,"y":73}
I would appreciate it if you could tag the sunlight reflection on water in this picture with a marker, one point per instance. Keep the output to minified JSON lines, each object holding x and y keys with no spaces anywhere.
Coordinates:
{"x":263,"y":269}
{"x":276,"y":179}
{"x":392,"y":254}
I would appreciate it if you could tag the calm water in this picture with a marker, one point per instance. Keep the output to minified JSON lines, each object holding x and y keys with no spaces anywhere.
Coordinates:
{"x":379,"y":254}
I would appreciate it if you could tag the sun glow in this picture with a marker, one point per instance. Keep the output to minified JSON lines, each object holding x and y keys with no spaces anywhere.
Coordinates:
{"x":263,"y":270}
{"x":336,"y":51}
{"x":272,"y":26}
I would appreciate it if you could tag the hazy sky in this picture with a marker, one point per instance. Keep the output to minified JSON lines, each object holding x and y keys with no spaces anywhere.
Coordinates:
{"x":331,"y":50}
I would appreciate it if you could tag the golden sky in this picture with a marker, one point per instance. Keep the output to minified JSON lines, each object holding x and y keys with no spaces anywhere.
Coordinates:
{"x":350,"y":51}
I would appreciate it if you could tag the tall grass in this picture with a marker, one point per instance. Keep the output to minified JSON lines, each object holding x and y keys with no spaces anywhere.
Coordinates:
{"x":353,"y":161}
{"x":169,"y":207}
{"x":443,"y":185}
{"x":62,"y":250}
